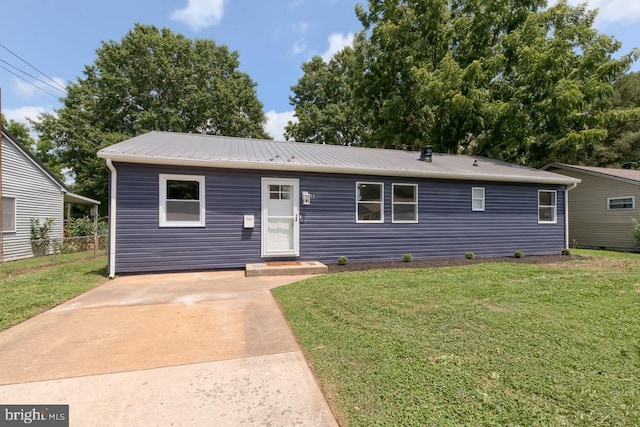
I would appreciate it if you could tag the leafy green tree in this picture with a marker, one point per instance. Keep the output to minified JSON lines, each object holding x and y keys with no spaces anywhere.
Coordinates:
{"x":623,"y":139}
{"x":510,"y":79}
{"x":323,"y":102}
{"x":20,"y":131}
{"x":550,"y":97}
{"x":151,"y":80}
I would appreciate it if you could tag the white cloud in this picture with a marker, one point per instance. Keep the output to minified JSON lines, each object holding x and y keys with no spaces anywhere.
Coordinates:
{"x":614,"y":10}
{"x":276,"y":123}
{"x":200,"y":13}
{"x":21,"y":114}
{"x":337,"y":42}
{"x":27,"y":90}
{"x":301,"y":27}
{"x":298,"y":47}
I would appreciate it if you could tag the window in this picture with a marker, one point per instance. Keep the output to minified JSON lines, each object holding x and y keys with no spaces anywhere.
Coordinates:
{"x":280,"y":192}
{"x":620,"y":203}
{"x":477,"y":199}
{"x":182,"y":201}
{"x":404,"y":203}
{"x":9,"y":214}
{"x":369,"y":202}
{"x":547,"y":207}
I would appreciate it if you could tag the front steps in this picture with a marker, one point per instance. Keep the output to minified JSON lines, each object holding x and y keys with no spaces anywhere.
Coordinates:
{"x":285,"y":268}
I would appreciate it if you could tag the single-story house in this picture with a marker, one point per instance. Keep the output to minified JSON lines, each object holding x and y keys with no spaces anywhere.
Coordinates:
{"x":30,"y":190}
{"x":193,"y":202}
{"x":602,"y":208}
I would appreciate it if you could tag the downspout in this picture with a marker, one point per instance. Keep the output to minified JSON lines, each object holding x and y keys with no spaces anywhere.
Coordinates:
{"x":112,"y":218}
{"x":566,"y":213}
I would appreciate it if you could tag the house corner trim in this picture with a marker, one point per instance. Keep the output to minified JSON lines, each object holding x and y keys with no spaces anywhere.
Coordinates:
{"x":112,"y":218}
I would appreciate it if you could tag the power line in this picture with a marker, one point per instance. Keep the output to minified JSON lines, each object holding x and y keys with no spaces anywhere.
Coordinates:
{"x":31,"y":83}
{"x":33,"y":77}
{"x":26,"y":62}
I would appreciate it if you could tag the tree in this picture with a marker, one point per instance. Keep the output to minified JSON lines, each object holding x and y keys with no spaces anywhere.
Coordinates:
{"x":550,"y":99}
{"x":623,"y":138}
{"x":152,"y":80}
{"x":40,"y":149}
{"x":509,"y":79}
{"x":323,"y":102}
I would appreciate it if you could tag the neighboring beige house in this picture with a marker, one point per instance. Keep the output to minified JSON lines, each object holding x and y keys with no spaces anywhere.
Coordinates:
{"x":602,"y":207}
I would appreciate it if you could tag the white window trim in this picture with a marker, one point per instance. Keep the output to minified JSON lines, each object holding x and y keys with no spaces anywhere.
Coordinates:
{"x":555,"y":207}
{"x":364,"y":221}
{"x":163,"y":200}
{"x":393,"y":203}
{"x":15,"y":213}
{"x":481,"y":209}
{"x":633,"y":203}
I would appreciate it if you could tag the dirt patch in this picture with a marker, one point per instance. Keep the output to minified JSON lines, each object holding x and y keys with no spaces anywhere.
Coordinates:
{"x":452,"y":262}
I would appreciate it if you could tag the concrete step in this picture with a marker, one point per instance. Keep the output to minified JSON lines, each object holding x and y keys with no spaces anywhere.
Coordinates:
{"x":285,"y":268}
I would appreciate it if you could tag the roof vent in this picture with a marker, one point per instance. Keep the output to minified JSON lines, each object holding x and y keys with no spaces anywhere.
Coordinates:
{"x":628,"y":165}
{"x":426,"y":153}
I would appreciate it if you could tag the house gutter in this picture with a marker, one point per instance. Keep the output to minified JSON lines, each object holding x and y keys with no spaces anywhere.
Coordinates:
{"x":112,"y":218}
{"x":566,"y":213}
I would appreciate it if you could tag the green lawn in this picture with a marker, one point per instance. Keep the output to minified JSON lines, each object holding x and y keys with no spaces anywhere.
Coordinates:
{"x":486,"y":344}
{"x":24,"y":295}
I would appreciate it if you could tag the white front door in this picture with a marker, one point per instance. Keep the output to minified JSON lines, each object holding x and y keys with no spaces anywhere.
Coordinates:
{"x":280,"y":222}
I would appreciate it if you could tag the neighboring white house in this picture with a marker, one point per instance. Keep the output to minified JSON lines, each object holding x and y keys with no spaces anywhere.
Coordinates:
{"x":29,"y":190}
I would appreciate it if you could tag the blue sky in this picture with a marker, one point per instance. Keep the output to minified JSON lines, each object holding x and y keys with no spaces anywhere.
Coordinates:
{"x":273,"y":39}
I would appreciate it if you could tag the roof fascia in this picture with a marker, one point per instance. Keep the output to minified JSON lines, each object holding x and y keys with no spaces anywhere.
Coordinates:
{"x":332,"y":169}
{"x":34,"y":160}
{"x":592,"y":173}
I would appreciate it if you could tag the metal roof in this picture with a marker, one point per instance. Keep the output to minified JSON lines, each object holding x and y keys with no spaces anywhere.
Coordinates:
{"x":182,"y":149}
{"x":632,"y":175}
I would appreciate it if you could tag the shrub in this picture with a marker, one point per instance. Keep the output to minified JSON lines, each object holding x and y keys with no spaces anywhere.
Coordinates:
{"x":40,"y":236}
{"x":343,"y":260}
{"x":67,"y":248}
{"x":83,"y":230}
{"x":469,"y":255}
{"x":636,"y":231}
{"x":566,"y":251}
{"x":518,"y":254}
{"x":407,"y":258}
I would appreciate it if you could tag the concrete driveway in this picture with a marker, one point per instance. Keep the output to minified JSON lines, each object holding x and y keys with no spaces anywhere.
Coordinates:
{"x":194,"y":349}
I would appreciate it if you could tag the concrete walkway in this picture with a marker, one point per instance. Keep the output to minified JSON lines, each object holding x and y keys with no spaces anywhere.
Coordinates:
{"x":195,"y":349}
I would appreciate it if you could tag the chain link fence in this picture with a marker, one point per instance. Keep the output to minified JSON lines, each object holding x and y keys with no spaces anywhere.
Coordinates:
{"x":18,"y":256}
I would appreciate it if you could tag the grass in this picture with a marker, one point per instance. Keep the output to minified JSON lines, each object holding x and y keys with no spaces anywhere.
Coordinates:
{"x":29,"y":265}
{"x":487,"y":344}
{"x":25,"y":295}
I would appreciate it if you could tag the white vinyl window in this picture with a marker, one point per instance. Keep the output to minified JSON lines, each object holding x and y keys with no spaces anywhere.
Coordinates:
{"x":547,"y":204}
{"x":369,"y":202}
{"x":9,"y":214}
{"x":621,"y":203}
{"x":404,"y":203}
{"x":182,"y":201}
{"x":477,"y":199}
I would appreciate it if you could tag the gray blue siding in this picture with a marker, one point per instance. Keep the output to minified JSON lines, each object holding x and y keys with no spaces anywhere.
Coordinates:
{"x":447,"y":226}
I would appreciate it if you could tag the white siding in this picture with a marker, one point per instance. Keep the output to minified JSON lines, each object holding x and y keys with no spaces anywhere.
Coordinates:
{"x":36,"y":194}
{"x":591,"y":224}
